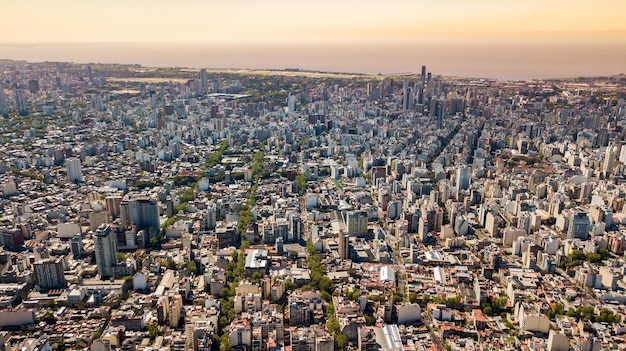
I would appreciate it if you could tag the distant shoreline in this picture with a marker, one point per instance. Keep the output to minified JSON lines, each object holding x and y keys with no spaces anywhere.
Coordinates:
{"x":501,"y":61}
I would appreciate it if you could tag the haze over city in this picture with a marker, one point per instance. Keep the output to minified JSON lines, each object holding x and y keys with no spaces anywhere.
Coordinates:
{"x":517,"y":40}
{"x":278,"y":175}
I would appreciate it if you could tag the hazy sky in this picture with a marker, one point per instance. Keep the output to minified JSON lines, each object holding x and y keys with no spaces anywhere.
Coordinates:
{"x":154,"y":21}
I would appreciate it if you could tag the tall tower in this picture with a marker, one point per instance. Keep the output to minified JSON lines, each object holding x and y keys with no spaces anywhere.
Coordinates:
{"x":291,"y":103}
{"x":20,"y":102}
{"x":609,"y":160}
{"x":33,"y":86}
{"x":204,"y":80}
{"x":420,"y":97}
{"x":105,"y":249}
{"x":463,"y":177}
{"x":356,"y":222}
{"x":405,"y":95}
{"x":578,"y":225}
{"x":50,"y":274}
{"x":153,"y":100}
{"x":344,"y":245}
{"x":4,"y":109}
{"x":143,"y":212}
{"x":74,"y":170}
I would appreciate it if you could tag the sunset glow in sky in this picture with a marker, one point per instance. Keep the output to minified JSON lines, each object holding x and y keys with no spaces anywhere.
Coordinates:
{"x":153,"y":21}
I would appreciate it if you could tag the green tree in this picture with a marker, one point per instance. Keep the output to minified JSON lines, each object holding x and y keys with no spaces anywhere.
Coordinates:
{"x":397,"y":298}
{"x":153,"y":331}
{"x":256,"y":276}
{"x":453,"y":302}
{"x":188,"y":195}
{"x":224,"y":343}
{"x":301,"y":183}
{"x":326,"y":296}
{"x":290,"y":285}
{"x":341,"y":341}
{"x":487,"y":310}
{"x":120,"y":256}
{"x":191,"y":267}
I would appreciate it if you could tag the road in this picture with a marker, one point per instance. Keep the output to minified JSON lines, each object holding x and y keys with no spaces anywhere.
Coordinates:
{"x":427,"y":319}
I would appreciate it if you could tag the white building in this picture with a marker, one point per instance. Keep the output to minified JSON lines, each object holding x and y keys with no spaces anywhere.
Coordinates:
{"x":409,"y":313}
{"x":557,"y":342}
{"x":387,"y":274}
{"x":463,"y":177}
{"x":74,"y":170}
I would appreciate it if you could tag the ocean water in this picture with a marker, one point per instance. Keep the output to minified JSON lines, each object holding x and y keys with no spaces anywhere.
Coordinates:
{"x":502,"y":60}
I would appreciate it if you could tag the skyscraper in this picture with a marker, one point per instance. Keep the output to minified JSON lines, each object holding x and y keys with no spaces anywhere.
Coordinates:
{"x":204,"y":80}
{"x":4,"y":109}
{"x":405,"y":95}
{"x":33,"y":86}
{"x":578,"y":225}
{"x":153,"y":100}
{"x":76,"y":245}
{"x":344,"y":245}
{"x":356,"y":222}
{"x":143,"y":212}
{"x":49,"y":274}
{"x":291,"y":103}
{"x":21,"y":101}
{"x":105,"y":249}
{"x":463,"y":177}
{"x":437,"y":110}
{"x":420,"y":97}
{"x":609,"y":160}
{"x":74,"y":170}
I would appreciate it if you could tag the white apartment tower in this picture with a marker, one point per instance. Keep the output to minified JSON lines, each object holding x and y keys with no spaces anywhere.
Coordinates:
{"x":74,"y":170}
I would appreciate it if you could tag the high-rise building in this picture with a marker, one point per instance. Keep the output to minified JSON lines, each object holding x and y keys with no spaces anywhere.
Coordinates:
{"x":113,"y":205}
{"x":609,"y":160}
{"x":405,"y":95}
{"x":4,"y":109}
{"x":153,"y":100}
{"x":295,"y":226}
{"x":76,"y":246}
{"x":356,"y":222}
{"x":20,"y":102}
{"x":291,"y":103}
{"x":578,"y":225}
{"x":74,"y":170}
{"x":105,"y":248}
{"x":211,"y":217}
{"x":420,"y":96}
{"x":49,"y":274}
{"x":463,"y":177}
{"x":142,"y":212}
{"x":344,"y":245}
{"x":33,"y":86}
{"x":564,"y":115}
{"x":204,"y":79}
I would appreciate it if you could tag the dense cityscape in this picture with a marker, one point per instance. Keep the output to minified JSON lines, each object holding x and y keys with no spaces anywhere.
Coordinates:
{"x":185,"y":209}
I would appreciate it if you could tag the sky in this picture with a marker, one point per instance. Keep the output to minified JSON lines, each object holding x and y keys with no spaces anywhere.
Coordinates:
{"x":507,"y":39}
{"x":276,"y":21}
